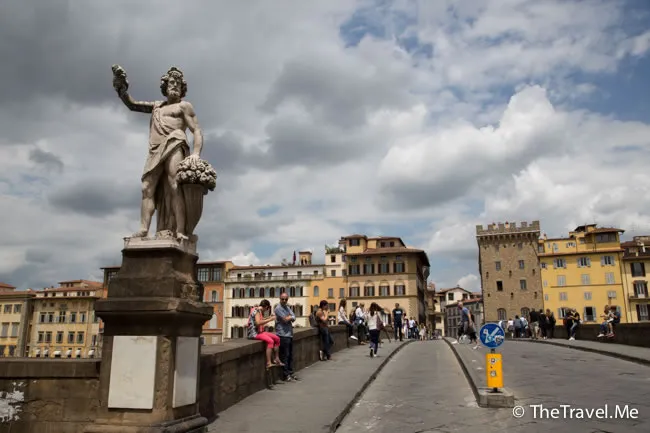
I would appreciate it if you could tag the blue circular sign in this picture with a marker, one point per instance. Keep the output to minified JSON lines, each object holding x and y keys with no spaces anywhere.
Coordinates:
{"x":492,"y":335}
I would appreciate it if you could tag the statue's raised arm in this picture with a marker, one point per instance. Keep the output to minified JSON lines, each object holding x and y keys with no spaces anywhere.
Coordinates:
{"x":121,"y":86}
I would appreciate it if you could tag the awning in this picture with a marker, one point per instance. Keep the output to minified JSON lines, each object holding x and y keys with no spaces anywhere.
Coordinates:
{"x":57,"y":353}
{"x":37,"y":352}
{"x":68,"y":353}
{"x":91,"y":352}
{"x":78,"y":352}
{"x":46,"y":352}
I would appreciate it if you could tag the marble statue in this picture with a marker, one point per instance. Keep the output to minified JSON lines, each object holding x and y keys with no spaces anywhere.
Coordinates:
{"x":170,"y":165}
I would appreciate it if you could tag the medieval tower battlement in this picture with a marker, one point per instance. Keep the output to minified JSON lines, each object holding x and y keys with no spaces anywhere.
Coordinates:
{"x":510,"y":277}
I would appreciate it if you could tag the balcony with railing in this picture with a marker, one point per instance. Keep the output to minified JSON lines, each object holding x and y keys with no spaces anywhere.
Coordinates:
{"x":260,"y":277}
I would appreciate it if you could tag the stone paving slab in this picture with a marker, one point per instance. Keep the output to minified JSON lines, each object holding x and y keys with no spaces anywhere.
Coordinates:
{"x":312,"y":405}
{"x":637,"y":354}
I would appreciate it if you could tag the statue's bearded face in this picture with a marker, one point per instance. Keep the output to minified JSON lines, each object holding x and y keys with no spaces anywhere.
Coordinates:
{"x":174,"y":86}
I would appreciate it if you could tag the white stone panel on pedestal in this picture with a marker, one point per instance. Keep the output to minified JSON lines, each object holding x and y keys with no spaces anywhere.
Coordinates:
{"x":133,"y":372}
{"x":186,"y":372}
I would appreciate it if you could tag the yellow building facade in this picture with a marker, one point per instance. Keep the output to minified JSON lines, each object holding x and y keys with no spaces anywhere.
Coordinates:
{"x":384,"y":270}
{"x":64,"y":324}
{"x":583,"y":271}
{"x":636,"y":265}
{"x":15,"y":311}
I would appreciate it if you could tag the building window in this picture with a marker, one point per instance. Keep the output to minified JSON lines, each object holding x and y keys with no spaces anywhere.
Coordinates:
{"x":611,"y":294}
{"x":333,"y":273}
{"x":7,"y":309}
{"x":330,"y":293}
{"x":369,"y":291}
{"x":542,"y":265}
{"x":384,"y":290}
{"x":354,"y":292}
{"x":316,"y":292}
{"x":584,"y":262}
{"x":522,"y":284}
{"x":586,"y":279}
{"x":501,"y":314}
{"x":384,"y":268}
{"x":17,"y":308}
{"x":215,"y":296}
{"x":41,"y":337}
{"x":400,"y":290}
{"x":59,"y":337}
{"x":642,"y":312}
{"x":332,"y":258}
{"x":540,"y":248}
{"x":50,"y":317}
{"x":522,"y":264}
{"x":546,"y":297}
{"x":354,"y":269}
{"x":450,"y":296}
{"x":5,"y":330}
{"x":61,"y":316}
{"x":563,"y":296}
{"x":545,"y":283}
{"x":559,"y":263}
{"x":398,"y":268}
{"x":499,"y":286}
{"x":204,"y":274}
{"x":609,"y":278}
{"x":497,"y":266}
{"x":354,"y":242}
{"x":638,"y":269}
{"x":587,"y":296}
{"x":590,"y":314}
{"x":561,"y":280}
{"x":341,"y":292}
{"x":70,"y":337}
{"x":570,"y":245}
{"x":641,"y":289}
{"x":368,"y":269}
{"x":607,"y":261}
{"x":73,"y":317}
{"x":605,"y":238}
{"x":561,"y":312}
{"x":48,"y":337}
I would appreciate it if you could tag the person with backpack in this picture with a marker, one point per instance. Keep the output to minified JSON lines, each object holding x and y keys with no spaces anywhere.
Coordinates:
{"x":375,"y":325}
{"x":256,"y":322}
{"x":360,"y":321}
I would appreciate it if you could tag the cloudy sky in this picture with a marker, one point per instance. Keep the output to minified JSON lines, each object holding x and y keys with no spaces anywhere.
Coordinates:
{"x":323,"y":119}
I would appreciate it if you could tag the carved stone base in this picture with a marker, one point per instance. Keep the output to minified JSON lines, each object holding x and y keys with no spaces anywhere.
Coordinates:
{"x":151,"y":351}
{"x":195,"y":424}
{"x":163,"y":239}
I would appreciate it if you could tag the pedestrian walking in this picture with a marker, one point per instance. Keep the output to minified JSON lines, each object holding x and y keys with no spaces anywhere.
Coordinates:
{"x":375,"y":325}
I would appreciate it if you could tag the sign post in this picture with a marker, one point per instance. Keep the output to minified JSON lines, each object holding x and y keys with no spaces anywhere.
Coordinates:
{"x":492,"y":336}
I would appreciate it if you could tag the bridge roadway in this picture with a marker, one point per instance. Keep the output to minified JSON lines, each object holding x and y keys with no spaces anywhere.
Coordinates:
{"x":422,"y":388}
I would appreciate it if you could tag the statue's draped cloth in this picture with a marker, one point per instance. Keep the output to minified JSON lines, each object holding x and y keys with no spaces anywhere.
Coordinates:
{"x":164,"y":140}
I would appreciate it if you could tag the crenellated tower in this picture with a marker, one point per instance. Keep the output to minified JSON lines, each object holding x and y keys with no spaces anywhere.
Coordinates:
{"x":510,"y":276}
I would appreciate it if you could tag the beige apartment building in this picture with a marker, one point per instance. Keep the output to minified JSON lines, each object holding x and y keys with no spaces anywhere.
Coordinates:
{"x":15,"y":311}
{"x":64,"y":324}
{"x":384,"y":270}
{"x":246,"y":286}
{"x":635,"y":267}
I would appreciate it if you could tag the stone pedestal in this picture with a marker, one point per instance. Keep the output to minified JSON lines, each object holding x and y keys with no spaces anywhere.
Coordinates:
{"x":150,"y":360}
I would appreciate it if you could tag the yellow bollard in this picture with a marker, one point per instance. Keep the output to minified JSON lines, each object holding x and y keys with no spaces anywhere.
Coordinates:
{"x":494,"y":370}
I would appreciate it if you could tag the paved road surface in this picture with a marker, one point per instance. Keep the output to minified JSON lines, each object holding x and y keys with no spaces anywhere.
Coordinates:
{"x":424,"y":390}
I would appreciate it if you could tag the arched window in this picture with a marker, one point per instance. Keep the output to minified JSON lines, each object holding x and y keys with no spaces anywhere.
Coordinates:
{"x":242,"y":292}
{"x":260,"y":292}
{"x":369,"y":290}
{"x":215,"y":296}
{"x":283,"y":290}
{"x":292,"y":291}
{"x":233,"y":312}
{"x":251,"y":292}
{"x":235,"y":292}
{"x":316,"y":292}
{"x":525,"y":312}
{"x":355,"y":291}
{"x":299,"y":291}
{"x":272,"y":292}
{"x":501,"y":314}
